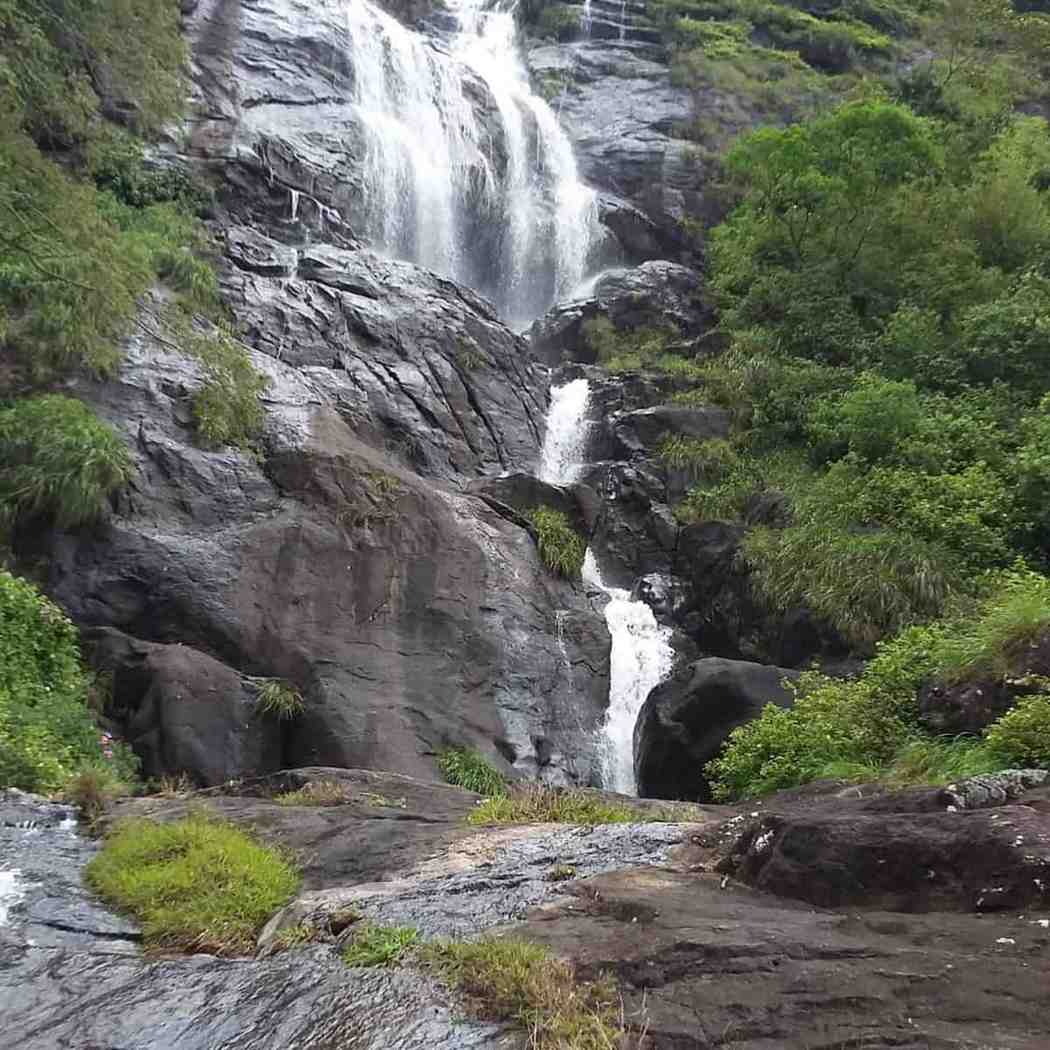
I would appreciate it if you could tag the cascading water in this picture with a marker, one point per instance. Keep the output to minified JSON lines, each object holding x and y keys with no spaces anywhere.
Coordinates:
{"x":565,"y":443}
{"x":641,"y":654}
{"x":640,"y":660}
{"x":493,"y":203}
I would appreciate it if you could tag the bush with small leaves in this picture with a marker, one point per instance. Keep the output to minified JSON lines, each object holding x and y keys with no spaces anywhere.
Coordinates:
{"x":1021,"y":737}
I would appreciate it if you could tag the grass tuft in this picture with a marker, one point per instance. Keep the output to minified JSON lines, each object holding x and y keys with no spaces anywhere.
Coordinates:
{"x":92,"y":789}
{"x":562,"y":548}
{"x":540,"y":804}
{"x":195,"y":885}
{"x":516,"y":980}
{"x":466,"y":768}
{"x":276,"y":697}
{"x":380,"y":945}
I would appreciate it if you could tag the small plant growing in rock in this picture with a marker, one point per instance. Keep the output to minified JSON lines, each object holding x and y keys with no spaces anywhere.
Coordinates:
{"x":373,"y":798}
{"x":561,"y":547}
{"x":466,"y":768}
{"x":316,"y":793}
{"x":561,"y":873}
{"x":470,"y":358}
{"x":92,"y":789}
{"x":277,"y":698}
{"x":379,"y":945}
{"x":293,"y":937}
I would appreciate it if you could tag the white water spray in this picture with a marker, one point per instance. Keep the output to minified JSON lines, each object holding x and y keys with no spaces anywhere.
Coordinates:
{"x":640,"y":660}
{"x":565,"y":442}
{"x":641,"y":654}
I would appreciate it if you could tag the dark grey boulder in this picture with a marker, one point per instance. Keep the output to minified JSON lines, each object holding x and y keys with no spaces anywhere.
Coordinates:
{"x":525,"y":492}
{"x":657,"y":294}
{"x":639,"y":433}
{"x":686,"y":720}
{"x":183,"y":711}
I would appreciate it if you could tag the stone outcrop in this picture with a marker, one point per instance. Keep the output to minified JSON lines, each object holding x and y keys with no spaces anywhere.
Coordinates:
{"x":686,"y":720}
{"x":409,"y":617}
{"x":657,"y":294}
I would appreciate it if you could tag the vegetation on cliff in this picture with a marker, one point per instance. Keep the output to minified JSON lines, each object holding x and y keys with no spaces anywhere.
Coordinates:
{"x":47,"y":727}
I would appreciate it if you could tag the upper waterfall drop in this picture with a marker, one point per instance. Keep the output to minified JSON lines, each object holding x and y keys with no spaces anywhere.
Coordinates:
{"x":466,"y":171}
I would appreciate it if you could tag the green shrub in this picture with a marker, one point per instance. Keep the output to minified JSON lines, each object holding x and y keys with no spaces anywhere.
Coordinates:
{"x":194,"y":885}
{"x":539,"y":804}
{"x":941,"y":760}
{"x":47,"y":731}
{"x":509,"y":979}
{"x":561,"y":547}
{"x":58,"y":460}
{"x":1021,"y":737}
{"x":466,"y":768}
{"x":379,"y":945}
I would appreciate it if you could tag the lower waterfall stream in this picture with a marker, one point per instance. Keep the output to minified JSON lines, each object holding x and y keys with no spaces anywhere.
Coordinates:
{"x":641,"y":654}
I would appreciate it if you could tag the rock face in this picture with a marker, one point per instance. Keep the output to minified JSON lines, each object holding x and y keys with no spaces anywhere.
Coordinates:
{"x":657,"y":294}
{"x":686,"y":720}
{"x":989,"y":860}
{"x":182,"y":710}
{"x":330,"y":565}
{"x":618,"y":104}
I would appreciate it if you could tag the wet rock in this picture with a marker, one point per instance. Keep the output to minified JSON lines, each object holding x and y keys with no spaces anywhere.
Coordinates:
{"x":329,"y":564}
{"x":623,"y":115}
{"x":71,"y":974}
{"x":524,"y":492}
{"x":657,"y":294}
{"x":639,"y":433}
{"x":965,"y":707}
{"x":704,"y":961}
{"x":987,"y":860}
{"x":686,"y":720}
{"x":183,"y":711}
{"x":993,"y":789}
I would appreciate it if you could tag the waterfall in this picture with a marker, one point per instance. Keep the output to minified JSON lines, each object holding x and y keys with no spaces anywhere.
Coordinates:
{"x":641,"y":654}
{"x":564,"y":444}
{"x":623,"y":19}
{"x":466,"y":171}
{"x":640,"y":660}
{"x":585,"y":18}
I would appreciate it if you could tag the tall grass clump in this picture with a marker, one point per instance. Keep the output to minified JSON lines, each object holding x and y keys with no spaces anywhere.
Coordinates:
{"x":466,"y":768}
{"x":59,"y":461}
{"x":194,"y":885}
{"x":373,"y":945}
{"x":561,"y":547}
{"x":540,"y":804}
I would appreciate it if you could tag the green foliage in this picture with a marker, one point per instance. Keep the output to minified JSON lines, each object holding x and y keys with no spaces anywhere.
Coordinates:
{"x":868,"y":728}
{"x":867,"y":584}
{"x":509,"y":979}
{"x":379,"y":945}
{"x":58,"y":460}
{"x":710,"y":459}
{"x":561,"y":547}
{"x":1021,"y":737}
{"x":539,"y":804}
{"x":316,"y":793}
{"x":47,"y":732}
{"x":466,"y":768}
{"x":278,"y":698}
{"x":226,"y":408}
{"x":193,"y":884}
